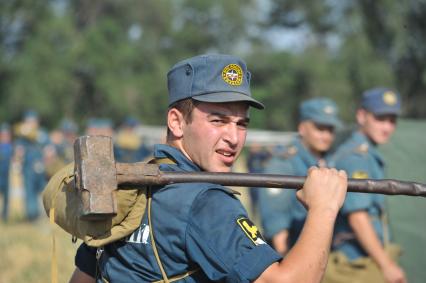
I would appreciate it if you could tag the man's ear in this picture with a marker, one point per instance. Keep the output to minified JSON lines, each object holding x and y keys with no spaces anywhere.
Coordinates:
{"x":361,"y":116}
{"x":175,"y":122}
{"x":301,"y":128}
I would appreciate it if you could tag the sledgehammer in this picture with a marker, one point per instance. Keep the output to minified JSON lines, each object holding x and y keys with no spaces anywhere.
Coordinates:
{"x":97,"y":176}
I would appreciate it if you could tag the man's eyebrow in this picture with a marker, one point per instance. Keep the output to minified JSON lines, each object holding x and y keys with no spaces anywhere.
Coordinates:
{"x":222,"y":115}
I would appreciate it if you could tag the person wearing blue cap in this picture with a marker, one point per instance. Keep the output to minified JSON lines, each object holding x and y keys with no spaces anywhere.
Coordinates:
{"x":6,"y":153}
{"x":129,"y":145}
{"x":281,"y":214}
{"x":30,"y":142}
{"x":99,"y":126}
{"x":200,"y":232}
{"x":362,"y":234}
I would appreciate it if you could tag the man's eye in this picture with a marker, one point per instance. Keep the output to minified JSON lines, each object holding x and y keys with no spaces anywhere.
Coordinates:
{"x":217,"y":122}
{"x":242,"y":125}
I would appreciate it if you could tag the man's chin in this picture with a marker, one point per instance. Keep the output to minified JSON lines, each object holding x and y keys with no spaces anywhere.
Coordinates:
{"x":222,"y":168}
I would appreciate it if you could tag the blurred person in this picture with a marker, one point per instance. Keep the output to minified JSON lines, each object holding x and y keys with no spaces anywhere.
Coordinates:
{"x":60,"y":150}
{"x":129,"y":146}
{"x":6,"y":153}
{"x":256,"y":159}
{"x":281,"y":214}
{"x":201,"y":231}
{"x":30,"y":142}
{"x":52,"y":153}
{"x":362,"y":251}
{"x":69,"y":131}
{"x":99,"y":127}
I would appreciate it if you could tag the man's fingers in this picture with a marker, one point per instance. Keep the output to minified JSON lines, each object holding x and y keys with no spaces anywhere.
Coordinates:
{"x":312,"y":168}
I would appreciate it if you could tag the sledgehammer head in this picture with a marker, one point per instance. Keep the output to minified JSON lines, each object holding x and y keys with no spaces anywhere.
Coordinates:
{"x":95,"y":176}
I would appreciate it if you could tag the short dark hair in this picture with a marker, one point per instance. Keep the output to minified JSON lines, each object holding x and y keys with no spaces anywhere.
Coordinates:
{"x":185,"y":106}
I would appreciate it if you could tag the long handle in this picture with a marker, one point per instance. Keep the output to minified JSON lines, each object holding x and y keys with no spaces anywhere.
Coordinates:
{"x":140,"y":174}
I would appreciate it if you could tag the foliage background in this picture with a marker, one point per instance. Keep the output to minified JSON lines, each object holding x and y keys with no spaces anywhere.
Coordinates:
{"x":79,"y":59}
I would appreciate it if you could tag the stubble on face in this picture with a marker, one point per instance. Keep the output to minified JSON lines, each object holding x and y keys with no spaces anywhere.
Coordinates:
{"x":215,"y":137}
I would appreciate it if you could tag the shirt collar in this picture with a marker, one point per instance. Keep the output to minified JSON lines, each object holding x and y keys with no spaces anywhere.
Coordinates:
{"x":361,"y":138}
{"x":307,"y":157}
{"x":182,"y":162}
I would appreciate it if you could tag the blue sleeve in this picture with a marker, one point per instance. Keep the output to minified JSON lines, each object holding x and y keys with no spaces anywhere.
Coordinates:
{"x":217,"y":241}
{"x":85,"y":259}
{"x":274,"y":203}
{"x":356,"y":166}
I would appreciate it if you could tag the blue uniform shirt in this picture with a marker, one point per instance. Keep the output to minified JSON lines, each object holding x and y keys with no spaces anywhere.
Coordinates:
{"x":280,"y":209}
{"x":196,"y":225}
{"x":360,"y":159}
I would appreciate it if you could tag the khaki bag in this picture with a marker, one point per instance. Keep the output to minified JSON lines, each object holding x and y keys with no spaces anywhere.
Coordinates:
{"x":62,"y":203}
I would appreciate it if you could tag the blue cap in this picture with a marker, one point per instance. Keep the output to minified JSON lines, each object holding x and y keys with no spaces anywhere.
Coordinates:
{"x":99,"y":123}
{"x":131,"y":122}
{"x":68,"y":126}
{"x":4,"y":127}
{"x":211,"y":78}
{"x":322,"y":111}
{"x":30,"y":114}
{"x":381,"y":101}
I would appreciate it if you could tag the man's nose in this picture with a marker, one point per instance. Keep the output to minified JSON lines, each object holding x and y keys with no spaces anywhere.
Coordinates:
{"x":231,"y":134}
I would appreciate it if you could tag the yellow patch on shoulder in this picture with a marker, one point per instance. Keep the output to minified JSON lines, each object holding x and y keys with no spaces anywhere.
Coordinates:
{"x":360,"y":175}
{"x":251,"y":231}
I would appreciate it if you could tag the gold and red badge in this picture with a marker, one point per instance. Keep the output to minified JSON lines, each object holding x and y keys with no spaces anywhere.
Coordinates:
{"x":233,"y":74}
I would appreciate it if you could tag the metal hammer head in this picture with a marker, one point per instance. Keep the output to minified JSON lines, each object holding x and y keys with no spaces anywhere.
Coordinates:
{"x":96,"y":178}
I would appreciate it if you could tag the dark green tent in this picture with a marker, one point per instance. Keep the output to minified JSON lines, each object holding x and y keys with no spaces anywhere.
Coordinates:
{"x":405,"y":158}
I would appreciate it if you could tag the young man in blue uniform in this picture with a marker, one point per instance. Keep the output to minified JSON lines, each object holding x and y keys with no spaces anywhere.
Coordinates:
{"x":282,"y":215}
{"x":129,"y":146}
{"x":30,"y":143}
{"x":362,"y":234}
{"x":6,"y":153}
{"x":201,"y":230}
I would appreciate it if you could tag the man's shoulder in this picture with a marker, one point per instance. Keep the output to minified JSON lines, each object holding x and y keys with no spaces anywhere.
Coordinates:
{"x":195,"y":190}
{"x":281,"y":161}
{"x":351,"y":149}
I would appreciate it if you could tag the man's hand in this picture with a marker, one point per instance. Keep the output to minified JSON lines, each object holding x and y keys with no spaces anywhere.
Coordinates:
{"x":324,"y":188}
{"x":393,"y":273}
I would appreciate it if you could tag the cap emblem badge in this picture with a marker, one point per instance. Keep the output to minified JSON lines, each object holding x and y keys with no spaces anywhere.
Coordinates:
{"x":233,"y":74}
{"x":328,"y":110}
{"x":389,"y":98}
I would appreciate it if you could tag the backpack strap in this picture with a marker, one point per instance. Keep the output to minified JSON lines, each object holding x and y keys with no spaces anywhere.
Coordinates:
{"x":151,"y":232}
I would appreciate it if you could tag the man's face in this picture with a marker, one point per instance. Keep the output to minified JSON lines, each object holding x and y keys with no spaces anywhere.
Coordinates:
{"x":379,"y":128}
{"x":214,"y":138}
{"x":317,"y":138}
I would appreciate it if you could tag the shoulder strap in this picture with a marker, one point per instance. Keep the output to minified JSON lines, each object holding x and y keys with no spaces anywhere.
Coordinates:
{"x":151,"y":232}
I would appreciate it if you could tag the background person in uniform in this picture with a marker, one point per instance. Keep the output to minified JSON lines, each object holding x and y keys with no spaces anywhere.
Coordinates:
{"x":129,"y":146}
{"x":201,"y":230}
{"x":281,"y":214}
{"x":99,"y":127}
{"x":6,"y":153}
{"x":69,"y":131}
{"x":30,"y":142}
{"x":59,"y":151}
{"x":362,"y":233}
{"x":257,"y":157}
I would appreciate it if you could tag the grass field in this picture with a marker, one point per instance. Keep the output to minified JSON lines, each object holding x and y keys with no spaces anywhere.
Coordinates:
{"x":26,"y":252}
